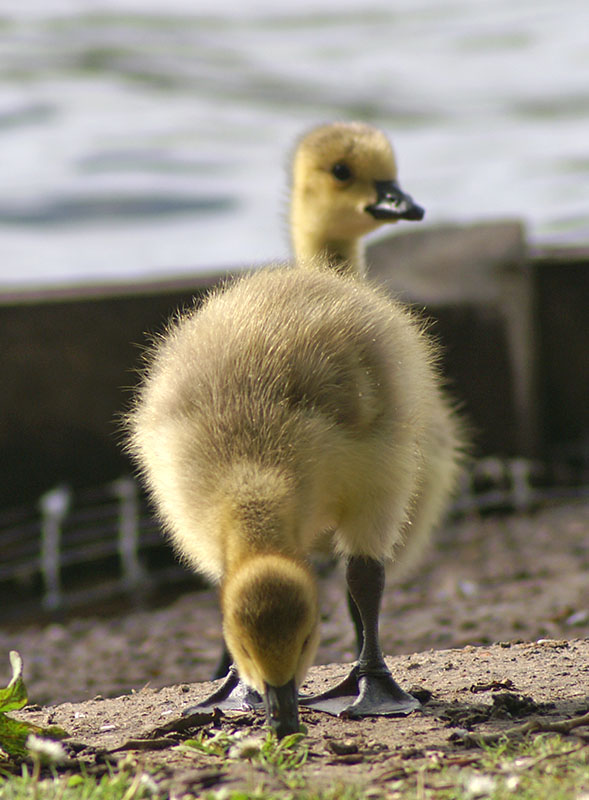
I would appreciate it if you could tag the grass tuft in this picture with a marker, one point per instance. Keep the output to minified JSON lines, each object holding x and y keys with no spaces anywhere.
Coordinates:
{"x":117,"y":786}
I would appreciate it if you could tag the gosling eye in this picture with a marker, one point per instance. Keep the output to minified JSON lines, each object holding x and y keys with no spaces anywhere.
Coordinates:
{"x":341,"y":171}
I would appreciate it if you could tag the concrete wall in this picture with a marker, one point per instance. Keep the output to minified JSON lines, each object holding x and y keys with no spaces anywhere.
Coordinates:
{"x":561,"y":296}
{"x":67,"y":361}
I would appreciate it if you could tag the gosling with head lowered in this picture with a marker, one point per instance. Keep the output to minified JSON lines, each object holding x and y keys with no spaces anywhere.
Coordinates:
{"x":295,"y":401}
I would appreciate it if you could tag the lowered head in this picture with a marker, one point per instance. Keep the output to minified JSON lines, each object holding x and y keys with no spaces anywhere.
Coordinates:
{"x":270,"y":624}
{"x":344,"y":186}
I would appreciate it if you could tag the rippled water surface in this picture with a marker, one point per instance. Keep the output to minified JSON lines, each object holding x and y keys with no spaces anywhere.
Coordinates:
{"x":136,"y":143}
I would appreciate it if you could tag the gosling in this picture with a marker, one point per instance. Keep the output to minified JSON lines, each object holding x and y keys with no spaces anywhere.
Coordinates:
{"x":344,"y":185}
{"x":293,"y":402}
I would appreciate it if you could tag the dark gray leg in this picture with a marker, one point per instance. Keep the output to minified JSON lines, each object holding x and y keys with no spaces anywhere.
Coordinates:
{"x":365,"y":578}
{"x":369,"y":689}
{"x":223,"y":664}
{"x":357,"y":620}
{"x":378,"y":693}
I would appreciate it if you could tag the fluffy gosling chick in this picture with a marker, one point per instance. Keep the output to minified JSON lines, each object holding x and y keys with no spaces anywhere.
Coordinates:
{"x":344,"y":185}
{"x":297,"y":401}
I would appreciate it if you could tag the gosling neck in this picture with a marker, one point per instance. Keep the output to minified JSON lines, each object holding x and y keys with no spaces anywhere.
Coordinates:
{"x":345,"y":256}
{"x":257,"y":528}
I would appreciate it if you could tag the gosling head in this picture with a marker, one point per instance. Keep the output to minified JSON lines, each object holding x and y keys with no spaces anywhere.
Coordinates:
{"x":344,"y":186}
{"x":270,"y":626}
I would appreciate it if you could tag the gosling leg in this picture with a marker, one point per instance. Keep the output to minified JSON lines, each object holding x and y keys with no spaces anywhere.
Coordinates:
{"x":357,"y":622}
{"x":223,"y":664}
{"x":369,"y":689}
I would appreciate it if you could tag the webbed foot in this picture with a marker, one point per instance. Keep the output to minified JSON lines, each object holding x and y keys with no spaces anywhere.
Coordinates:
{"x":364,"y":694}
{"x":233,"y":694}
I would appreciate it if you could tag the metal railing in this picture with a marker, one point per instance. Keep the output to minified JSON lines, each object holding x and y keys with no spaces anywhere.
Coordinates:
{"x":75,"y":548}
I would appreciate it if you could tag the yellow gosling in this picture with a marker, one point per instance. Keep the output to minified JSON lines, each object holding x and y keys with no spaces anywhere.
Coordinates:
{"x":344,"y":185}
{"x":291,"y":403}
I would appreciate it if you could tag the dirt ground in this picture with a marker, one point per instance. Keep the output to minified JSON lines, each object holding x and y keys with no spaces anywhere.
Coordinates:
{"x":477,"y":690}
{"x":519,"y":581}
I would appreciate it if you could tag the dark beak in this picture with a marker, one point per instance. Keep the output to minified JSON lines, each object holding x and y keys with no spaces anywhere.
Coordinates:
{"x":282,"y":708}
{"x":392,"y":203}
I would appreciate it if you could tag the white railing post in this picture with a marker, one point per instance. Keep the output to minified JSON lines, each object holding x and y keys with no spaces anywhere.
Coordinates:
{"x":54,"y":506}
{"x":133,"y":573}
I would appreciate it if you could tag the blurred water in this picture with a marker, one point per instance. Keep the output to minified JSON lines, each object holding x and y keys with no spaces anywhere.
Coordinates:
{"x":137,"y":143}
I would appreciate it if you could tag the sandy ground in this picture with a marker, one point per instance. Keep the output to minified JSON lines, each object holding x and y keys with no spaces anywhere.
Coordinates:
{"x":475,"y":690}
{"x":511,"y":578}
{"x":520,"y":582}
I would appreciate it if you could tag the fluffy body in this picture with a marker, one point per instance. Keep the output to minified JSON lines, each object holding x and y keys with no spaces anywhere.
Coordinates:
{"x":292,"y":403}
